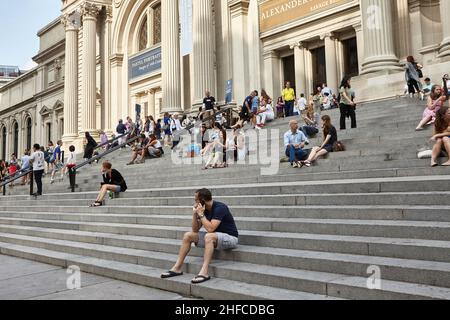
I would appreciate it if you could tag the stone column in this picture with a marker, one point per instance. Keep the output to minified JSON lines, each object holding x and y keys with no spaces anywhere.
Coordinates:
{"x":106,"y":87}
{"x":171,"y":75}
{"x":272,"y":80}
{"x":379,"y":46}
{"x":404,"y":30}
{"x":331,"y":59}
{"x":89,"y":87}
{"x":444,"y":50}
{"x":204,"y":55}
{"x":359,"y":44}
{"x":151,"y":103}
{"x":300,"y":69}
{"x":70,"y":81}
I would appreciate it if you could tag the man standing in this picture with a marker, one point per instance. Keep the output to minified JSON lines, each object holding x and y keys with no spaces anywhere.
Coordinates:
{"x":218,"y":232}
{"x":288,"y":95}
{"x":121,"y":129}
{"x":295,"y":141}
{"x":209,"y":103}
{"x":37,"y":160}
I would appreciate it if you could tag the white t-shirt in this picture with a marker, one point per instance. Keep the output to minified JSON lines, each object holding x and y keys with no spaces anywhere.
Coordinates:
{"x":157,"y":144}
{"x":38,"y":160}
{"x":302,"y":104}
{"x":72,"y":158}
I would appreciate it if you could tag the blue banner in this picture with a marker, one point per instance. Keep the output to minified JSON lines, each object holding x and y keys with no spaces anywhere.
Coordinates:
{"x":144,"y":64}
{"x":187,"y":38}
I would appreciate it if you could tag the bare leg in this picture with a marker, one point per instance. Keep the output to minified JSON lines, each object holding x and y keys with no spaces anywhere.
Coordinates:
{"x":313,"y":153}
{"x":188,"y":239}
{"x":446,"y":142}
{"x":319,"y":154}
{"x":105,"y":188}
{"x":436,"y":151}
{"x":423,"y":123}
{"x":210,"y":244}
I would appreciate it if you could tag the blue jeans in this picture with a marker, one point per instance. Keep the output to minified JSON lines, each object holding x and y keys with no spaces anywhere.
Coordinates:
{"x":289,"y":108}
{"x":295,"y":154}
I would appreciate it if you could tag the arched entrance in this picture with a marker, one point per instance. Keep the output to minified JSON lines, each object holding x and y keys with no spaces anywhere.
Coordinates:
{"x":4,"y":132}
{"x":29,"y":126}
{"x":16,"y":138}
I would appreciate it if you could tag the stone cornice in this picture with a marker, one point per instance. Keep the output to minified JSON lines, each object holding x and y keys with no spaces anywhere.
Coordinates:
{"x":54,"y":50}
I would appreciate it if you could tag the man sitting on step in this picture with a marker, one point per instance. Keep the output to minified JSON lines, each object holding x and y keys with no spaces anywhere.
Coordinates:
{"x":213,"y":227}
{"x":295,"y":141}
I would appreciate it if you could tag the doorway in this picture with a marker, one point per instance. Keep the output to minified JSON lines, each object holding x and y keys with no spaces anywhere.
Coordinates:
{"x":351,"y":63}
{"x":319,"y":67}
{"x":289,"y":71}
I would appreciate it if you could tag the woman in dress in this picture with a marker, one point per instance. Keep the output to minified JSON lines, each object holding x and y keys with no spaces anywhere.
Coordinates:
{"x":435,"y":102}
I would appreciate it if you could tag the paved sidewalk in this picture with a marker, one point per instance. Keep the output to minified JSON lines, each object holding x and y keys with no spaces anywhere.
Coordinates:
{"x":28,"y":280}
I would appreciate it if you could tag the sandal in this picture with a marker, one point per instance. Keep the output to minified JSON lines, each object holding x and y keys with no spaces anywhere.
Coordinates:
{"x":96,"y":204}
{"x":306,"y":163}
{"x":434,"y":165}
{"x":171,"y":274}
{"x":200,"y":279}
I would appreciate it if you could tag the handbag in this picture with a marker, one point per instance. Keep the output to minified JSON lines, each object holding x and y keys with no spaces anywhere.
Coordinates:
{"x":338,"y":146}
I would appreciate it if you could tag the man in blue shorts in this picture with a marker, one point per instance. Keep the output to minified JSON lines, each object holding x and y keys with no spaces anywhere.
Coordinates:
{"x":213,"y":228}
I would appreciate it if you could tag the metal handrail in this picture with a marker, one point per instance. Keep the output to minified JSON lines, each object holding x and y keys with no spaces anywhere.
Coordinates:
{"x":11,"y":180}
{"x":111,"y":141}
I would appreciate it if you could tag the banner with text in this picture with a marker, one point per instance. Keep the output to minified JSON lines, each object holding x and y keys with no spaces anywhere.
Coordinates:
{"x":275,"y":13}
{"x":144,"y":63}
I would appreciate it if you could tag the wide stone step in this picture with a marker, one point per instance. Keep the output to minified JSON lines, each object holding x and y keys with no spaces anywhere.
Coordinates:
{"x":428,"y":230}
{"x":284,"y":278}
{"x":416,"y":213}
{"x":416,"y":249}
{"x":216,"y":289}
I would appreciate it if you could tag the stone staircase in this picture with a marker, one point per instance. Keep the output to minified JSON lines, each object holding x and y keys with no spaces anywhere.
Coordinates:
{"x":308,"y":233}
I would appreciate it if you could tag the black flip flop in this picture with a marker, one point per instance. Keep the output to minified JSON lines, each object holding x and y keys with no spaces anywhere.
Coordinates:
{"x":203,"y":279}
{"x":171,"y":274}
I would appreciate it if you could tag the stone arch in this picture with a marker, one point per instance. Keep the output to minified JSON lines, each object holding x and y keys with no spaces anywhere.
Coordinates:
{"x":127,"y":24}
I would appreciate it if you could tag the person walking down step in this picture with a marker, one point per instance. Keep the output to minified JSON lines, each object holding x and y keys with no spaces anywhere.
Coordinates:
{"x":113,"y":181}
{"x":38,"y":162}
{"x":213,"y":228}
{"x":441,"y":136}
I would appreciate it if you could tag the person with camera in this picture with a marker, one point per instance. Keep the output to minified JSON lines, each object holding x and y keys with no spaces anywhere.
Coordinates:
{"x":213,"y":228}
{"x":112,"y":181}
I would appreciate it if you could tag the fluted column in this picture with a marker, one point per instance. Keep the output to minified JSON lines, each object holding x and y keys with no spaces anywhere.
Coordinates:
{"x":171,"y":74}
{"x":300,"y":69}
{"x":445,"y":21}
{"x":331,"y":61}
{"x":379,"y":52}
{"x":404,"y":29}
{"x":359,"y":44}
{"x":203,"y":29}
{"x":89,"y":88}
{"x":70,"y":81}
{"x":106,"y":88}
{"x":151,"y":102}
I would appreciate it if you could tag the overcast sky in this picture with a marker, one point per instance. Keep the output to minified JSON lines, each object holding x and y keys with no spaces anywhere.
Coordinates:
{"x":20,"y":21}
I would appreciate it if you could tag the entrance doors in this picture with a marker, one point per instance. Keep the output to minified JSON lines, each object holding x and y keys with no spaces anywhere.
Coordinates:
{"x":319,"y":68}
{"x":289,"y":71}
{"x":351,"y":64}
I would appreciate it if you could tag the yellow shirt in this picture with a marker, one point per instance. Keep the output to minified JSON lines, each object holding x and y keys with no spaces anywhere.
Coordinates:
{"x":288,"y":94}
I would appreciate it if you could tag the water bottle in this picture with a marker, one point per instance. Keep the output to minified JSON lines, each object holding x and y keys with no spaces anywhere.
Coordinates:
{"x":111,"y":195}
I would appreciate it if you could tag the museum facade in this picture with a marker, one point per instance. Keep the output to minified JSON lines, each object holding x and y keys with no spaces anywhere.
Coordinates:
{"x":103,"y":58}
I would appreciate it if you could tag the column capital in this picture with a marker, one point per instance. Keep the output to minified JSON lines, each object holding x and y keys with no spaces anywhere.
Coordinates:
{"x":330,"y":35}
{"x":90,"y":10}
{"x":71,"y":21}
{"x":298,"y":44}
{"x":109,"y":14}
{"x":357,"y":27}
{"x":270,"y":54}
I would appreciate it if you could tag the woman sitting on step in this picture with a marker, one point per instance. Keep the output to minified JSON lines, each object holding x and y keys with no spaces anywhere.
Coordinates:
{"x":441,"y":136}
{"x":112,"y":182}
{"x":435,"y":102}
{"x":330,"y":137}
